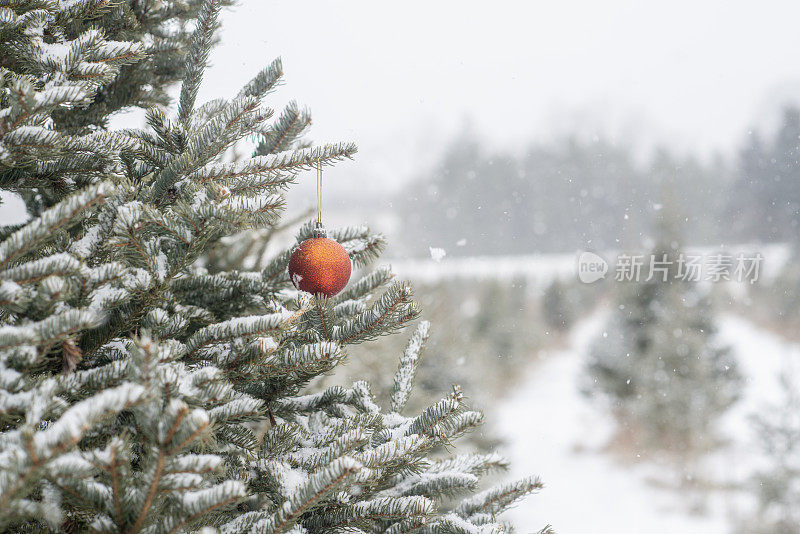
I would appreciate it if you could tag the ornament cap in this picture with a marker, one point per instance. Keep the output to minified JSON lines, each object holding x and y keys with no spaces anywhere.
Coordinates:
{"x":319,"y":230}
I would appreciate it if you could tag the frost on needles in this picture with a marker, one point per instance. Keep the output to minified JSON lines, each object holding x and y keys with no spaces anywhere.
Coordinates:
{"x":154,"y":365}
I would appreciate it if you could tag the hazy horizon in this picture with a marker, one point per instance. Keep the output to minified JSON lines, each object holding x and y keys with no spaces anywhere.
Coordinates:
{"x":402,"y":82}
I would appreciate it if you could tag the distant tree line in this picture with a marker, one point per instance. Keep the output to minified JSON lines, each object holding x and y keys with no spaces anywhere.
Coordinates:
{"x":765,"y":203}
{"x":577,"y":195}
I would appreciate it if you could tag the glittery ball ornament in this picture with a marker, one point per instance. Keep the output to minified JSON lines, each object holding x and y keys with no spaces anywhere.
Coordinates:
{"x":320,"y":265}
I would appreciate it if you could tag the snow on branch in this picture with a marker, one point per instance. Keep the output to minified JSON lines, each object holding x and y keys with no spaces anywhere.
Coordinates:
{"x":499,"y":498}
{"x":37,"y":232}
{"x":404,"y":378}
{"x":366,"y":285}
{"x":381,"y":509}
{"x":237,"y":327}
{"x":318,"y":486}
{"x":392,"y":311}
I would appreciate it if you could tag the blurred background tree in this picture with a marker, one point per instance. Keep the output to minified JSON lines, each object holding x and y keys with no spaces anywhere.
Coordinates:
{"x":657,"y":362}
{"x":777,"y":486}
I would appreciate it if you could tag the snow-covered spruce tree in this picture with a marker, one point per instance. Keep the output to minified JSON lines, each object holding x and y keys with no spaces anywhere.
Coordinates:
{"x":142,"y":392}
{"x":658,"y":362}
{"x":69,"y":66}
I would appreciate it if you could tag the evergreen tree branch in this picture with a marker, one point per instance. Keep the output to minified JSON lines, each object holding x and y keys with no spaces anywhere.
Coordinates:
{"x":197,"y":58}
{"x":40,"y":230}
{"x":404,"y":378}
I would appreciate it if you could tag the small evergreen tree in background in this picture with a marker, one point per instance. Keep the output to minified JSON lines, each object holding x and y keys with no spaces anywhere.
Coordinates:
{"x":777,"y":300}
{"x":559,"y":306}
{"x":777,"y":487}
{"x":657,"y":361}
{"x":146,"y":387}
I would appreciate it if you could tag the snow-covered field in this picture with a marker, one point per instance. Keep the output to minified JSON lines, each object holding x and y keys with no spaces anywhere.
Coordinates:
{"x":554,"y":431}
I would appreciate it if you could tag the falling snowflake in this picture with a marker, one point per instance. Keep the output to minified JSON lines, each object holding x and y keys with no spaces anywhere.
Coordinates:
{"x":437,"y":254}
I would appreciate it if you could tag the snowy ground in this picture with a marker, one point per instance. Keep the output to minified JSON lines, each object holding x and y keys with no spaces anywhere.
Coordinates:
{"x":554,"y":431}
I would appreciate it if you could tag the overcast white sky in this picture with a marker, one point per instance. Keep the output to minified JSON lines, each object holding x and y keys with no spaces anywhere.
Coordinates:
{"x":400,"y":78}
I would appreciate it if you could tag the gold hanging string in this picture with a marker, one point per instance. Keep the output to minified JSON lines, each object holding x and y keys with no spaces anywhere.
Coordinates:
{"x":319,"y":193}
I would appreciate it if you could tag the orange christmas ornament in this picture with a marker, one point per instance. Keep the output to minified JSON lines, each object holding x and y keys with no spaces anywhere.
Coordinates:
{"x":319,"y":264}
